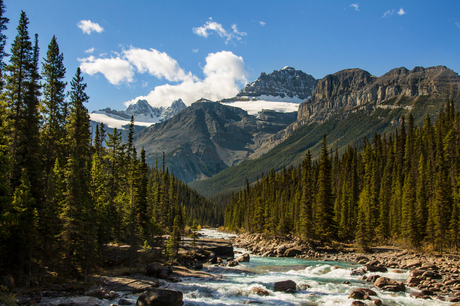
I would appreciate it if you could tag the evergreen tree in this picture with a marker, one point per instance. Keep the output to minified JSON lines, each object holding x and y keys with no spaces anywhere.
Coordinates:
{"x":54,"y":106}
{"x":79,"y":223}
{"x":324,"y":202}
{"x":18,"y":79}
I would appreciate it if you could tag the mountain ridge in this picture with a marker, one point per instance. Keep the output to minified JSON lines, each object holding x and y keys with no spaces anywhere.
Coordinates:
{"x":345,"y":108}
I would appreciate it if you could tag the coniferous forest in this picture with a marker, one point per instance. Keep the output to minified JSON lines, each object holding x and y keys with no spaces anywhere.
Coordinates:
{"x":402,"y":187}
{"x":63,"y":195}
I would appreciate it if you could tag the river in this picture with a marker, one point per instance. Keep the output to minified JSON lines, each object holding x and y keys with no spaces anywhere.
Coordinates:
{"x":233,"y":286}
{"x":324,"y":278}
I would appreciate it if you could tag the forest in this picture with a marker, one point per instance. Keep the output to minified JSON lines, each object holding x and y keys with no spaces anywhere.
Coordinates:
{"x":64,"y":195}
{"x":400,"y":188}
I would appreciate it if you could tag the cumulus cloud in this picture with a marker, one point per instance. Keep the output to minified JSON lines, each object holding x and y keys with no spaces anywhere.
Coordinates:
{"x":262,"y":23}
{"x":90,"y":50}
{"x":211,"y":26}
{"x":116,"y":70}
{"x":401,"y":12}
{"x":355,"y":6}
{"x":87,"y":26}
{"x":223,"y":74}
{"x":156,"y":63}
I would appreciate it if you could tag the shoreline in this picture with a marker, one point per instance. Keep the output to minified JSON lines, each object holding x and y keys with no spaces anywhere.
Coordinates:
{"x":432,"y":276}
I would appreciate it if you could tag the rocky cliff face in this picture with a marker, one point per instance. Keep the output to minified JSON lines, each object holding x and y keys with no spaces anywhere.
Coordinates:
{"x":285,"y":83}
{"x":208,"y":137}
{"x":347,"y":89}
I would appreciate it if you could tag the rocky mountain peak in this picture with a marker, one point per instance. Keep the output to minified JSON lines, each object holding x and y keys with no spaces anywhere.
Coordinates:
{"x":285,"y":83}
{"x":349,"y":88}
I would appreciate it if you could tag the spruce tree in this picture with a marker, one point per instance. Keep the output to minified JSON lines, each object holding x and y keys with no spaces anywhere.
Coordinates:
{"x":54,"y":106}
{"x":79,"y":223}
{"x":324,"y":200}
{"x":18,"y":79}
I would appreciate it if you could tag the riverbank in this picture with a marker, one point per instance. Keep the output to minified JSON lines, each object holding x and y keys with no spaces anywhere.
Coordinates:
{"x":322,"y":276}
{"x":431,"y":276}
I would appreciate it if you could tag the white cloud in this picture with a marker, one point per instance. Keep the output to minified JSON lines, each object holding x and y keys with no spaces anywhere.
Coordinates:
{"x":458,"y":24}
{"x":355,"y":6}
{"x":156,"y":63}
{"x":195,"y":50}
{"x":116,"y":70}
{"x":90,"y":50}
{"x":388,"y":13}
{"x":87,"y":26}
{"x":212,"y":26}
{"x":262,"y":23}
{"x":224,"y":73}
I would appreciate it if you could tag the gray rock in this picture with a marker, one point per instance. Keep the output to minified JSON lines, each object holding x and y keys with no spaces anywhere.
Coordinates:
{"x":163,"y":297}
{"x":284,"y":285}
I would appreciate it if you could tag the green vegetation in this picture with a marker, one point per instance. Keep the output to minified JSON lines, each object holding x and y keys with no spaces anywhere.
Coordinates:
{"x":403,"y":187}
{"x":63,"y":195}
{"x":341,"y":131}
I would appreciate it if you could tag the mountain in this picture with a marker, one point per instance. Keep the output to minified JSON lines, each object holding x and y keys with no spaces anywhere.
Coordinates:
{"x":347,"y":89}
{"x":144,"y":114}
{"x":281,"y":90}
{"x":287,"y":82}
{"x":208,"y":137}
{"x":346,"y":106}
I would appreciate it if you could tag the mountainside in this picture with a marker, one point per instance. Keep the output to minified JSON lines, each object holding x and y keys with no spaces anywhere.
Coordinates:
{"x":346,"y":89}
{"x":281,"y":90}
{"x":208,"y":137}
{"x":287,"y":82}
{"x":346,"y":106}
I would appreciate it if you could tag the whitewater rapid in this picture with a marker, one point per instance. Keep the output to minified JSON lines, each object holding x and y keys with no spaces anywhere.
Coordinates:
{"x":321,"y":283}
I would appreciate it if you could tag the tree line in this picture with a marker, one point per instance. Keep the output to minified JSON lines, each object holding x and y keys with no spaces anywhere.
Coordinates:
{"x":400,"y":187}
{"x":63,"y":194}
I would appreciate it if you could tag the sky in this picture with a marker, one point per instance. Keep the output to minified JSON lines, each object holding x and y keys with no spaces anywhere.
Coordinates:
{"x":164,"y":50}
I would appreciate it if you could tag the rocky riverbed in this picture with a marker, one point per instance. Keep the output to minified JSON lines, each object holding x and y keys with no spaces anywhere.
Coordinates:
{"x":271,"y":271}
{"x":434,"y":276}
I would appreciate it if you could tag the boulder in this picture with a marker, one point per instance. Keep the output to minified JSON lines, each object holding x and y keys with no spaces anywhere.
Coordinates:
{"x":232,"y":263}
{"x":285,"y":285}
{"x":358,"y":303}
{"x":373,"y":268}
{"x":413,"y":263}
{"x":243,"y":258}
{"x":359,"y":271}
{"x":389,"y":284}
{"x":377,"y":302}
{"x":281,"y":249}
{"x":372,"y":278}
{"x":154,"y":269}
{"x":260,"y":291}
{"x":362,"y":294}
{"x":292,"y":252}
{"x":157,"y":297}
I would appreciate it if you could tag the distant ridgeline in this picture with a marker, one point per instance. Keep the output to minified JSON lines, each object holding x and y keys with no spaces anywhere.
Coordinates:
{"x":346,"y":106}
{"x":402,"y":186}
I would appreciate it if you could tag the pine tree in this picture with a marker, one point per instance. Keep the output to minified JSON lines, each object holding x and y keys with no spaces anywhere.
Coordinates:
{"x":324,"y":201}
{"x":18,"y":79}
{"x":79,"y":223}
{"x":3,"y":28}
{"x":54,"y":106}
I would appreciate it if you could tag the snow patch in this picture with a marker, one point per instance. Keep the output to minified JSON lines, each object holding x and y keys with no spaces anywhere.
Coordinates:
{"x":116,"y":122}
{"x":255,"y":107}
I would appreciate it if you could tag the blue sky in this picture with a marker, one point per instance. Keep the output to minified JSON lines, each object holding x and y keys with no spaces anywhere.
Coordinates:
{"x":163,"y":50}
